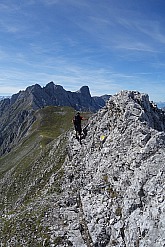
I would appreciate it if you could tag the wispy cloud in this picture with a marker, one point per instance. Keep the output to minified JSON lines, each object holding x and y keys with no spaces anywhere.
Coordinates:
{"x":9,"y":7}
{"x":135,"y":46}
{"x":72,"y":77}
{"x":3,"y":55}
{"x":100,"y":81}
{"x":49,"y":2}
{"x":4,"y":7}
{"x":143,"y":29}
{"x":108,"y":45}
{"x":9,"y":27}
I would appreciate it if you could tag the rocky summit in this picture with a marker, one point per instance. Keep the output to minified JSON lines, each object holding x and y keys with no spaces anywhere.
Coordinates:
{"x":109,"y":191}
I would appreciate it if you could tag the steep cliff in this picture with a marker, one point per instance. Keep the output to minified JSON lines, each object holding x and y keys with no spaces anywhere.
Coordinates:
{"x":109,"y":191}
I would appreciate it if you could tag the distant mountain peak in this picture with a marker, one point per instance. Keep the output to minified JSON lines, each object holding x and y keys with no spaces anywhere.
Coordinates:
{"x":84,"y":90}
{"x":53,"y":85}
{"x":33,"y":88}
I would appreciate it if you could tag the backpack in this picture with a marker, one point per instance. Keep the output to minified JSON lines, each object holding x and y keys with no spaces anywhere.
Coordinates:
{"x":77,"y":120}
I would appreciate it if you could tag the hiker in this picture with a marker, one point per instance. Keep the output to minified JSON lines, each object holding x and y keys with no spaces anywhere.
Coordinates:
{"x":77,"y":125}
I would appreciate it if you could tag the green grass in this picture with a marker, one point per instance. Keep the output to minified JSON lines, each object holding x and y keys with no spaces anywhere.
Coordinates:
{"x":53,"y":121}
{"x":26,"y":167}
{"x":50,"y":123}
{"x":26,"y":226}
{"x":26,"y":172}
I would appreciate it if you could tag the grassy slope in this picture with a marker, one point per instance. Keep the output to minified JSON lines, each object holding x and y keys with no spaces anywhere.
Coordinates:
{"x":51,"y":122}
{"x":31,"y":177}
{"x":24,"y":163}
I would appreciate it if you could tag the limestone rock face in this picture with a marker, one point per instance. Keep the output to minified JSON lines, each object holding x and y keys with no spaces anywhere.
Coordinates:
{"x":118,"y":174}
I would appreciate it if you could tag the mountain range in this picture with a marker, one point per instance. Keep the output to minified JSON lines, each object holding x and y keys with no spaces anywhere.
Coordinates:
{"x":107,"y":192}
{"x":18,"y":112}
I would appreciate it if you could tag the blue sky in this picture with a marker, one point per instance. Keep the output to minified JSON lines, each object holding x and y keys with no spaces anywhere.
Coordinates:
{"x":109,"y":45}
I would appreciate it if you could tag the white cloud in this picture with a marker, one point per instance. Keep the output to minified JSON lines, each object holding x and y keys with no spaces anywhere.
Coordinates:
{"x":77,"y":42}
{"x":100,"y":81}
{"x":136,"y":46}
{"x":9,"y":90}
{"x":9,"y":7}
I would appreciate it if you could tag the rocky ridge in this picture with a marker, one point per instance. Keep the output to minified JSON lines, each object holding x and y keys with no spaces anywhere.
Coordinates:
{"x":121,"y":176}
{"x":112,"y":187}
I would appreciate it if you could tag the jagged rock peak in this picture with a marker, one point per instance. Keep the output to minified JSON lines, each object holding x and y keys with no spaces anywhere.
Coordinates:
{"x":52,"y":86}
{"x":33,"y":88}
{"x":128,"y":97}
{"x":84,"y":90}
{"x":134,"y":103}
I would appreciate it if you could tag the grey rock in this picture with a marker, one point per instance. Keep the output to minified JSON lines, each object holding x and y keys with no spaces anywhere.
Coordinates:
{"x":123,"y":171}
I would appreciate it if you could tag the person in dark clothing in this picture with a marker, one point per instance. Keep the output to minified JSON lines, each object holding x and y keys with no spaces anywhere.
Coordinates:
{"x":77,"y":125}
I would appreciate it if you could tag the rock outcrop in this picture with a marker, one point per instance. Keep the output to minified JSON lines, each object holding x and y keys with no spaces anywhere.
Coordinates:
{"x":112,"y":190}
{"x":118,"y":174}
